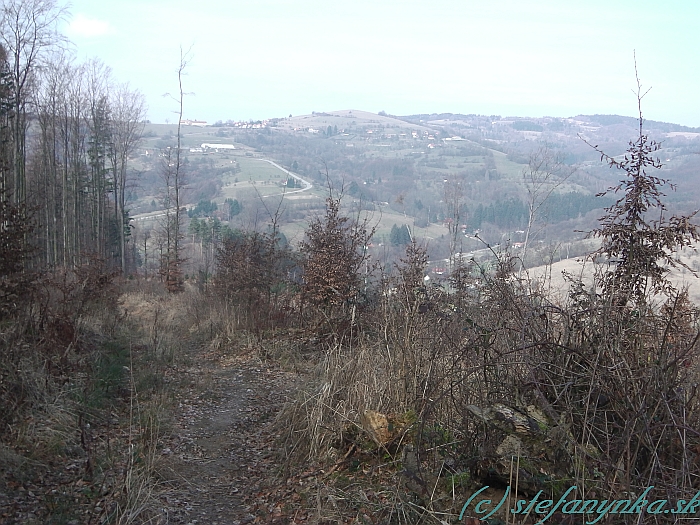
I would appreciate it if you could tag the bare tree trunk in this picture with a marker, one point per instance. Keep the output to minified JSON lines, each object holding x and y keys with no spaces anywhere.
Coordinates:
{"x":544,"y":174}
{"x":173,"y":177}
{"x":453,"y":197}
{"x":128,"y":112}
{"x":27,"y":29}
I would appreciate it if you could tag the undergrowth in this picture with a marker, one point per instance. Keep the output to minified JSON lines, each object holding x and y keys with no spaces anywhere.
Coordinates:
{"x":87,"y":393}
{"x":415,"y":394}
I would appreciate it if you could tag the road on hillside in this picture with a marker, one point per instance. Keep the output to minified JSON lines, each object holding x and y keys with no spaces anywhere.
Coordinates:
{"x":306,"y":183}
{"x":307,"y":186}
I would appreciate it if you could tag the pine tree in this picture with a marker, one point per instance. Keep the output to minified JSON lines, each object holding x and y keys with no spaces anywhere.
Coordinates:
{"x":394,"y":236}
{"x":640,"y":248}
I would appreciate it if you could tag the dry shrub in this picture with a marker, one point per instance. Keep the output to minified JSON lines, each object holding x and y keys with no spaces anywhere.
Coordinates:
{"x":44,"y":343}
{"x":584,"y":393}
{"x":508,"y":385}
{"x":421,"y":356}
{"x":409,"y":357}
{"x":162,"y":319}
{"x":252,"y":282}
{"x":623,"y":379}
{"x":83,"y":392}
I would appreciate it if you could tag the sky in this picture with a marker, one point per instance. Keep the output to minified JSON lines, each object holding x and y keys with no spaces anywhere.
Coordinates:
{"x":259,"y":59}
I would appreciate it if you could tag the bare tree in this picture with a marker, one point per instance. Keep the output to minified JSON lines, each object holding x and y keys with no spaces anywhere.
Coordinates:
{"x":27,"y":30}
{"x":454,"y":199}
{"x":14,"y":226}
{"x":69,"y":172}
{"x":145,"y":236}
{"x":46,"y":164}
{"x":544,"y":174}
{"x":128,"y":112}
{"x":77,"y":128}
{"x":173,"y":178}
{"x":5,"y":117}
{"x":98,"y":86}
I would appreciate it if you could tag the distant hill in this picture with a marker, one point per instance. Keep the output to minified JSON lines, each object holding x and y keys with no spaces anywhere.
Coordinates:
{"x":343,"y":119}
{"x":611,"y":120}
{"x":601,"y":120}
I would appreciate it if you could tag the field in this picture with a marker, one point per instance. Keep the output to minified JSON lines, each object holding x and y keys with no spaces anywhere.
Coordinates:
{"x":578,"y":266}
{"x":255,"y":177}
{"x":192,"y":136}
{"x":345,"y":119}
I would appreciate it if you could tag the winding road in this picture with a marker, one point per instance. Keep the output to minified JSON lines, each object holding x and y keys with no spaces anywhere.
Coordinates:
{"x":306,"y":183}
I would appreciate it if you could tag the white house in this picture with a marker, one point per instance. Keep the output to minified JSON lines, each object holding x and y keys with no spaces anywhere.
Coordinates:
{"x":206,"y":146}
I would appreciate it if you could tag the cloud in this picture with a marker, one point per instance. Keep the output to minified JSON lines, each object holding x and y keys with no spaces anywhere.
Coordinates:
{"x":85,"y":26}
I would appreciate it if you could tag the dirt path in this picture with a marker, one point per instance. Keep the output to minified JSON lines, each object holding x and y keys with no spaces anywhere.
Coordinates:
{"x":220,"y":465}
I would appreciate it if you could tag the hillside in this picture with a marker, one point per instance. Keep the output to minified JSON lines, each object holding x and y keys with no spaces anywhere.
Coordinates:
{"x":302,"y":360}
{"x":399,"y":170}
{"x":347,"y":317}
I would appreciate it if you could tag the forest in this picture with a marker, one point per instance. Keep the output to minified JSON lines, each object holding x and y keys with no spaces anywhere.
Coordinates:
{"x":213,"y":369}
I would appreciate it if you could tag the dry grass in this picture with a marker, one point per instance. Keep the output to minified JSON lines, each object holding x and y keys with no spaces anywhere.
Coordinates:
{"x":609,"y":391}
{"x":88,"y":399}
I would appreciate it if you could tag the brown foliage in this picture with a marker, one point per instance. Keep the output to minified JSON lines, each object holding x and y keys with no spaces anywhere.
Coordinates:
{"x":252,"y":272}
{"x":44,"y":336}
{"x":171,"y":272}
{"x":334,"y":252}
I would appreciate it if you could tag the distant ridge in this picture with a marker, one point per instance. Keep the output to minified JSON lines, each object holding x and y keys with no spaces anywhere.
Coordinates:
{"x":443,"y":116}
{"x":611,"y":120}
{"x":602,"y":120}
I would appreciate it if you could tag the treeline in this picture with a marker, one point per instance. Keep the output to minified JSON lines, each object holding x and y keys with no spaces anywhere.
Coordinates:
{"x":68,"y":131}
{"x":513,"y":213}
{"x":632,"y":122}
{"x":565,"y":206}
{"x":203,"y":209}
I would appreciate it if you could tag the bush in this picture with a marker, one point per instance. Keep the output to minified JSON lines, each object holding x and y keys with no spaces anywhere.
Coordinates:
{"x":252,"y":274}
{"x":334,"y":252}
{"x":505,"y":383}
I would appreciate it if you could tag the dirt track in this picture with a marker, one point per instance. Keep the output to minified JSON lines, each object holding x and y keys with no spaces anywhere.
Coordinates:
{"x":220,"y":465}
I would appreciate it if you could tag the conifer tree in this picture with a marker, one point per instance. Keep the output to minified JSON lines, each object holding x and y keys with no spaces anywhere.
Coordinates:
{"x":335,"y":250}
{"x":637,"y":238}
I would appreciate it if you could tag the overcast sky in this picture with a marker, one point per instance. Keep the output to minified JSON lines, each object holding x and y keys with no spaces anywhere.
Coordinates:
{"x":256,"y":59}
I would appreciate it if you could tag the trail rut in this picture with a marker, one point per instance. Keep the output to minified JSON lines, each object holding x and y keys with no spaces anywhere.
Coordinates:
{"x":220,"y":465}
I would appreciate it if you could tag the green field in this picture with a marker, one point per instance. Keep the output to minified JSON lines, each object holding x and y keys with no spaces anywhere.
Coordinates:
{"x":258,"y":170}
{"x":507,"y":167}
